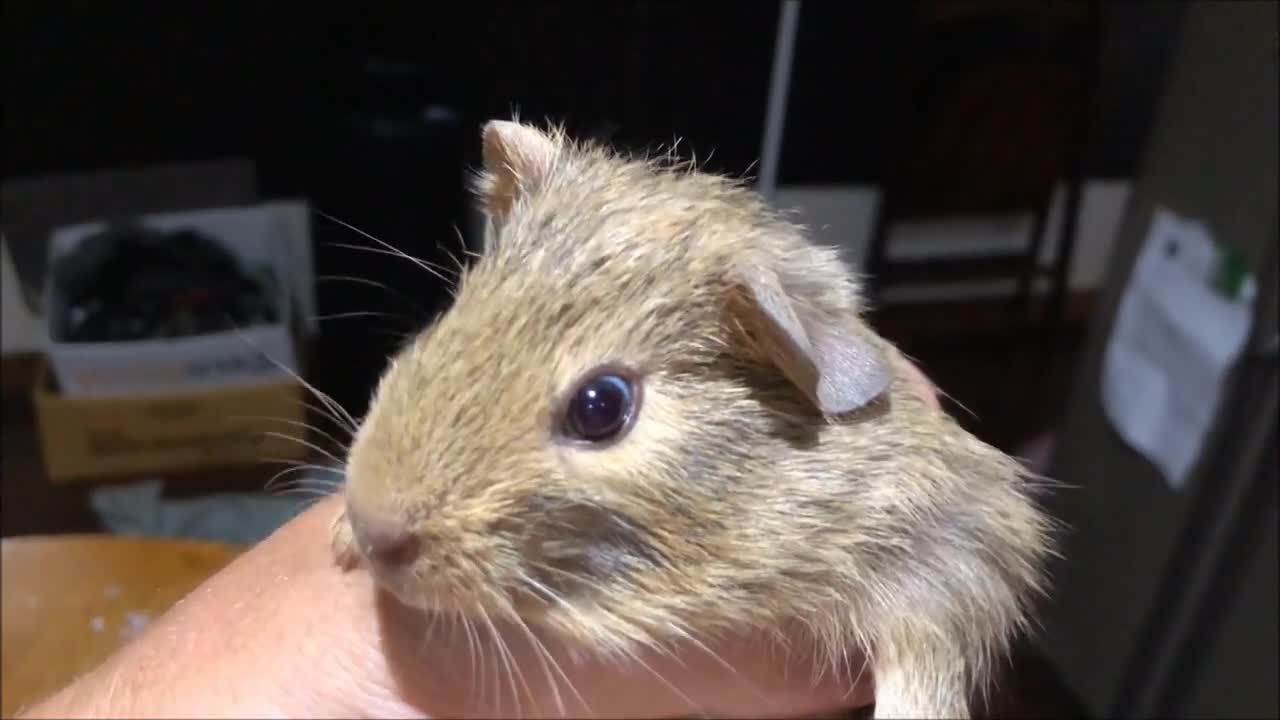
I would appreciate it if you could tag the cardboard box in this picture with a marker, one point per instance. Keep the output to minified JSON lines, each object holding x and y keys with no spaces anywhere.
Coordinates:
{"x":34,"y":206}
{"x":260,"y":237}
{"x":85,"y":438}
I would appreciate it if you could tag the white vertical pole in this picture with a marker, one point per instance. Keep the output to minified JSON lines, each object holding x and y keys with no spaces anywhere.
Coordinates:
{"x":776,"y":108}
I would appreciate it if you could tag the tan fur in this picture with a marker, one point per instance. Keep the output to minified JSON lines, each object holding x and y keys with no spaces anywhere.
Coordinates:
{"x":732,"y":502}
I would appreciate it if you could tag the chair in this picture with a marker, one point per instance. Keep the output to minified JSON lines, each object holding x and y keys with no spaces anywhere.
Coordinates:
{"x":70,"y":601}
{"x":991,"y":113}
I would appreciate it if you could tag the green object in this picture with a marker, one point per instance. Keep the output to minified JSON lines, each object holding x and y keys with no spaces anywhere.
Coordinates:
{"x":1231,"y":273}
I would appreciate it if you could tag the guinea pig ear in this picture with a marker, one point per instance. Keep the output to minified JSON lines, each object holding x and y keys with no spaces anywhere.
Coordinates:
{"x":517,"y":158}
{"x":820,"y":351}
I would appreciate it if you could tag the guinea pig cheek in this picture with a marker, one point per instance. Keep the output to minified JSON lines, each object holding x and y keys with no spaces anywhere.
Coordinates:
{"x":611,"y":503}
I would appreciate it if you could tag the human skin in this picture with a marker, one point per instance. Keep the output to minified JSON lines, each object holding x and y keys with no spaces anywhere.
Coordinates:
{"x":282,"y":632}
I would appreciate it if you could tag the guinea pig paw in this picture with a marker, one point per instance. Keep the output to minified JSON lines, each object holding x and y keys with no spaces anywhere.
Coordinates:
{"x":342,"y":542}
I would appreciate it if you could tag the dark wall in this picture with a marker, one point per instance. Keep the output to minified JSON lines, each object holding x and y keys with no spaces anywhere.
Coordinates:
{"x":373,"y":114}
{"x":90,"y":84}
{"x":97,"y":84}
{"x":847,"y":59}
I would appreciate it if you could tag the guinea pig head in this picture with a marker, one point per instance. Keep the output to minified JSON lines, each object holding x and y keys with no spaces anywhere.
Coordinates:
{"x":617,"y":425}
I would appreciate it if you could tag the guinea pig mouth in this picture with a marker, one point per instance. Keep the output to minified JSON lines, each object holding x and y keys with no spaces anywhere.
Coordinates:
{"x":411,"y":589}
{"x":401,"y":586}
{"x":513,"y":603}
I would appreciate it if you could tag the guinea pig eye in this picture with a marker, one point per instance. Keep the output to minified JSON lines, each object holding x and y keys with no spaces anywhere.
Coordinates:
{"x":601,"y":408}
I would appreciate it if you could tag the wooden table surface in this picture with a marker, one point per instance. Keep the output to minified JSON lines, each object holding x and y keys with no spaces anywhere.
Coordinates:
{"x":69,"y":601}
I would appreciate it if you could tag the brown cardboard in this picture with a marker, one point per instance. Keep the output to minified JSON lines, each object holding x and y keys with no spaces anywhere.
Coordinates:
{"x":87,"y":438}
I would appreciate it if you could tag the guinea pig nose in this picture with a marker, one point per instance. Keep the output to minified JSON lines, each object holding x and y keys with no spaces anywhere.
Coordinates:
{"x":387,"y":542}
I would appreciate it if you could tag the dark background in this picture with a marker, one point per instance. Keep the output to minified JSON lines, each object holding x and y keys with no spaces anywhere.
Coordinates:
{"x":374,"y":114}
{"x":90,"y":85}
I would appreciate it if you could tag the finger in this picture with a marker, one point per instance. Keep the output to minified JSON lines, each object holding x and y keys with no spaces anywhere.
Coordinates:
{"x":462,"y":673}
{"x":760,"y":677}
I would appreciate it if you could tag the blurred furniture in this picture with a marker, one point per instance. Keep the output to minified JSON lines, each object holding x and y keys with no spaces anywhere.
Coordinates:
{"x":36,"y":205}
{"x":1166,"y":602}
{"x":70,"y":601}
{"x":31,"y":505}
{"x":992,"y":106}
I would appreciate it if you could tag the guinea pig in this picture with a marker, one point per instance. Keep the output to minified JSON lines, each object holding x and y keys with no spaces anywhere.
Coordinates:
{"x":655,"y":409}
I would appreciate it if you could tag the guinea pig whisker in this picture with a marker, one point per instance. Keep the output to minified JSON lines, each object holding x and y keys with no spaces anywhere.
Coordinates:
{"x":383,"y":286}
{"x":320,"y":411}
{"x":308,"y":492}
{"x":548,"y":592}
{"x":435,"y":619}
{"x":362,"y":314}
{"x":387,"y":248}
{"x":305,"y":443}
{"x":856,"y":680}
{"x":512,"y":666}
{"x":292,"y":462}
{"x":326,"y":485}
{"x":634,"y":657}
{"x":558,"y":571}
{"x":772,"y":643}
{"x":331,"y":484}
{"x":295,"y":423}
{"x":406,"y":329}
{"x":691,"y":638}
{"x":303,"y":488}
{"x":478,"y":660}
{"x":462,"y":245}
{"x":553,"y":597}
{"x":395,"y":252}
{"x":543,"y":656}
{"x":334,"y":407}
{"x":473,"y":654}
{"x":317,"y":481}
{"x":424,"y":642}
{"x":294,"y":465}
{"x":486,"y":672}
{"x":943,"y":393}
{"x":668,"y":653}
{"x":270,"y":484}
{"x":336,"y":413}
{"x":329,"y":415}
{"x":819,"y":661}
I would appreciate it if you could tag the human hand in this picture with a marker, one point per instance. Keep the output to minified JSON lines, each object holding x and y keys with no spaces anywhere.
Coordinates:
{"x":281,"y":632}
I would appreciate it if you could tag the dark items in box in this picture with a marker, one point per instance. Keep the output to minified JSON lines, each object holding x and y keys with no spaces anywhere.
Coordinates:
{"x":131,"y":282}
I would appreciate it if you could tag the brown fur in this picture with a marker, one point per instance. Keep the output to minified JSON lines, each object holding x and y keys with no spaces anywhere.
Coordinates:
{"x":732,"y":502}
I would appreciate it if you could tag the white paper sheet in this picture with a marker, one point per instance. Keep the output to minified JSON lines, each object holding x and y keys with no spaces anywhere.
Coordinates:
{"x":1174,"y":341}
